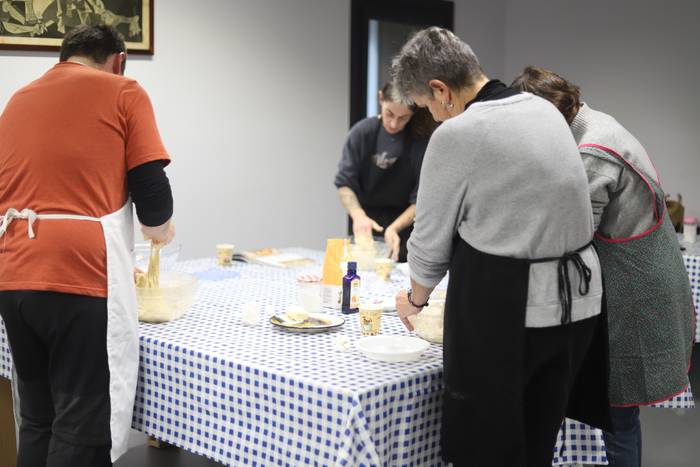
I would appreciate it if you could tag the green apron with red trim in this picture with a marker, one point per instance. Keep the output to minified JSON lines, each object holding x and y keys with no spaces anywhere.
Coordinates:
{"x":651,"y":319}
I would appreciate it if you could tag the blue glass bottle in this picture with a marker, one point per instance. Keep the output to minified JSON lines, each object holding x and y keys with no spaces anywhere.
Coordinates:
{"x":351,"y":290}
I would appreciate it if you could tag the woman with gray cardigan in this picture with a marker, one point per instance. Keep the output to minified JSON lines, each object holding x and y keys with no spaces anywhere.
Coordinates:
{"x":503,"y":205}
{"x":648,"y":296}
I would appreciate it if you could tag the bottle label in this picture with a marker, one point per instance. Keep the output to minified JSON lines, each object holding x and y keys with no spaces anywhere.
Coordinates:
{"x":355,"y":294}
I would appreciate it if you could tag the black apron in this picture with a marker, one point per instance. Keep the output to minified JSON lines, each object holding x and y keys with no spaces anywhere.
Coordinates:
{"x":484,"y":337}
{"x":385,"y":193}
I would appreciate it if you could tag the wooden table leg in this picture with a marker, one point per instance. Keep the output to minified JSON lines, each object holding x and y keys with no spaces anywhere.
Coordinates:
{"x":8,"y":439}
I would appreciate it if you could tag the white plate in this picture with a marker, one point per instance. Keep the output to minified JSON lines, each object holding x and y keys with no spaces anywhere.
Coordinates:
{"x":392,"y":348}
{"x":318,"y":322}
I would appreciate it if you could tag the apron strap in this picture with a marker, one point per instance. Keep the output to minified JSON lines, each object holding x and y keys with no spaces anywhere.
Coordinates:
{"x":32,"y":216}
{"x":564,"y":281}
{"x":13,"y":214}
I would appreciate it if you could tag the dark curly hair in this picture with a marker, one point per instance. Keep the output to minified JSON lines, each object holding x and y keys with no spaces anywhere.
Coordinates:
{"x":564,"y":95}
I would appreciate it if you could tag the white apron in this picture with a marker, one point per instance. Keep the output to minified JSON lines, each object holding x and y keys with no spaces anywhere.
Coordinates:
{"x":122,"y":313}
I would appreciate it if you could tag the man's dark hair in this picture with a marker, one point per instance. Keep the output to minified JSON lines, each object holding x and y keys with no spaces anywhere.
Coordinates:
{"x":94,"y":42}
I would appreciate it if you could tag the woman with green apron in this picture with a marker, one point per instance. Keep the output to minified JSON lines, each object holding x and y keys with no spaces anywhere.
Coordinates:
{"x":649,"y":301}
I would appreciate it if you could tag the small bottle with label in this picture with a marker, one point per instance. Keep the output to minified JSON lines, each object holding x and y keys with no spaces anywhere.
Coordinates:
{"x":351,"y":290}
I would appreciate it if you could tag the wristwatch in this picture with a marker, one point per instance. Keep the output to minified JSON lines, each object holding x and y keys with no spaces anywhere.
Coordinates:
{"x":410,"y":300}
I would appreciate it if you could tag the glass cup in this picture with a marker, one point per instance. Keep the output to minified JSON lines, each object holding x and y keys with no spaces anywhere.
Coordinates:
{"x":383,"y":267}
{"x":224,"y":254}
{"x":309,"y":294}
{"x":370,"y":318}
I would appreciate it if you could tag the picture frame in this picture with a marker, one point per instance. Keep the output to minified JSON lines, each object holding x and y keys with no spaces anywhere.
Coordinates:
{"x":41,"y":24}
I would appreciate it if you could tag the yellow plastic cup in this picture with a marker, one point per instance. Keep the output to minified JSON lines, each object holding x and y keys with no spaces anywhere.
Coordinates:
{"x":383,"y":267}
{"x":370,"y":318}
{"x":224,"y":254}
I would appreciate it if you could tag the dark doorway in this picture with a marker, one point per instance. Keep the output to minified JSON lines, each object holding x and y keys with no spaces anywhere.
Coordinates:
{"x":378,"y":30}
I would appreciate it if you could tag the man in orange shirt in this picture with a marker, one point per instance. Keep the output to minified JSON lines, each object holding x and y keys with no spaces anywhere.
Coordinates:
{"x":76,"y":147}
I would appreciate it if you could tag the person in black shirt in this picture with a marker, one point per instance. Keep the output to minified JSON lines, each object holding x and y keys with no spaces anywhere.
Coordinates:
{"x":378,"y":174}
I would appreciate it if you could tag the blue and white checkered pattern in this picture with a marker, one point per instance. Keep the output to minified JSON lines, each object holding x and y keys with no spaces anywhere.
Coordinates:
{"x":262,"y":396}
{"x":577,"y":444}
{"x":692,"y":264}
{"x":5,"y":357}
{"x":683,"y":400}
{"x":241,"y":394}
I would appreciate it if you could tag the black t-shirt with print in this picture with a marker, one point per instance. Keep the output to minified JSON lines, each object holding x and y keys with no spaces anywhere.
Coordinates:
{"x":382,"y":169}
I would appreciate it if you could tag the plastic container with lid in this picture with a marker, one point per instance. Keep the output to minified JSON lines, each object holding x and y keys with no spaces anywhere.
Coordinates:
{"x":690,"y":229}
{"x":309,"y":293}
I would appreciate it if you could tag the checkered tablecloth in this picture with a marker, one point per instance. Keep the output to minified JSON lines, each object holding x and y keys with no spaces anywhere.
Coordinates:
{"x":261,"y":396}
{"x":691,"y":258}
{"x":5,"y":357}
{"x":692,"y":264}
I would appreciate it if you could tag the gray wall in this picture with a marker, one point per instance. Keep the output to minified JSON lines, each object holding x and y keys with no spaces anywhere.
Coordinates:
{"x":638,"y":60}
{"x":481,"y":24}
{"x":253,"y":107}
{"x":251,"y":101}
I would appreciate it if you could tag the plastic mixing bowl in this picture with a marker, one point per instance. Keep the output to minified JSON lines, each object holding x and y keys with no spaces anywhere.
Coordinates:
{"x":428,"y":324}
{"x":171,"y":301}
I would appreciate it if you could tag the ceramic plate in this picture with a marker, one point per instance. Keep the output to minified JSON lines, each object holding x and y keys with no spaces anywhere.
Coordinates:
{"x":392,"y":348}
{"x":317,"y":322}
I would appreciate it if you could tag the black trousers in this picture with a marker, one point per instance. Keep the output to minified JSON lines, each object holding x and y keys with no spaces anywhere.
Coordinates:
{"x":553,"y":357}
{"x":58,"y":343}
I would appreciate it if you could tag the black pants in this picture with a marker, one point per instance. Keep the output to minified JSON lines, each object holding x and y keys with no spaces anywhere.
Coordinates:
{"x":58,"y":344}
{"x":553,"y":357}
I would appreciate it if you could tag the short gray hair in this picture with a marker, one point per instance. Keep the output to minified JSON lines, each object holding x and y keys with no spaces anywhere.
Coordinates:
{"x":434,"y":53}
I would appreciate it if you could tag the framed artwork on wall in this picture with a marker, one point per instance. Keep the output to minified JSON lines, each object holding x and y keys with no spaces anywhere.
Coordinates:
{"x":41,"y":24}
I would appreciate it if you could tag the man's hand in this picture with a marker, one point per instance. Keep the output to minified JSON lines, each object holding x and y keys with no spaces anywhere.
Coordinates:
{"x":163,"y":234}
{"x":405,"y":309}
{"x":393,"y":241}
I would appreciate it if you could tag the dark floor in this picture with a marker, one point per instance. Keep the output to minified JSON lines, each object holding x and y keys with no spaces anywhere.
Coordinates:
{"x":145,"y":456}
{"x":671,"y":439}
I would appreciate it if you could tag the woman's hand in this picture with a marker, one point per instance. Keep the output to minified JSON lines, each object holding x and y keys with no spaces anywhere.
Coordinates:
{"x":405,"y":309}
{"x":363,"y":226}
{"x":393,"y":241}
